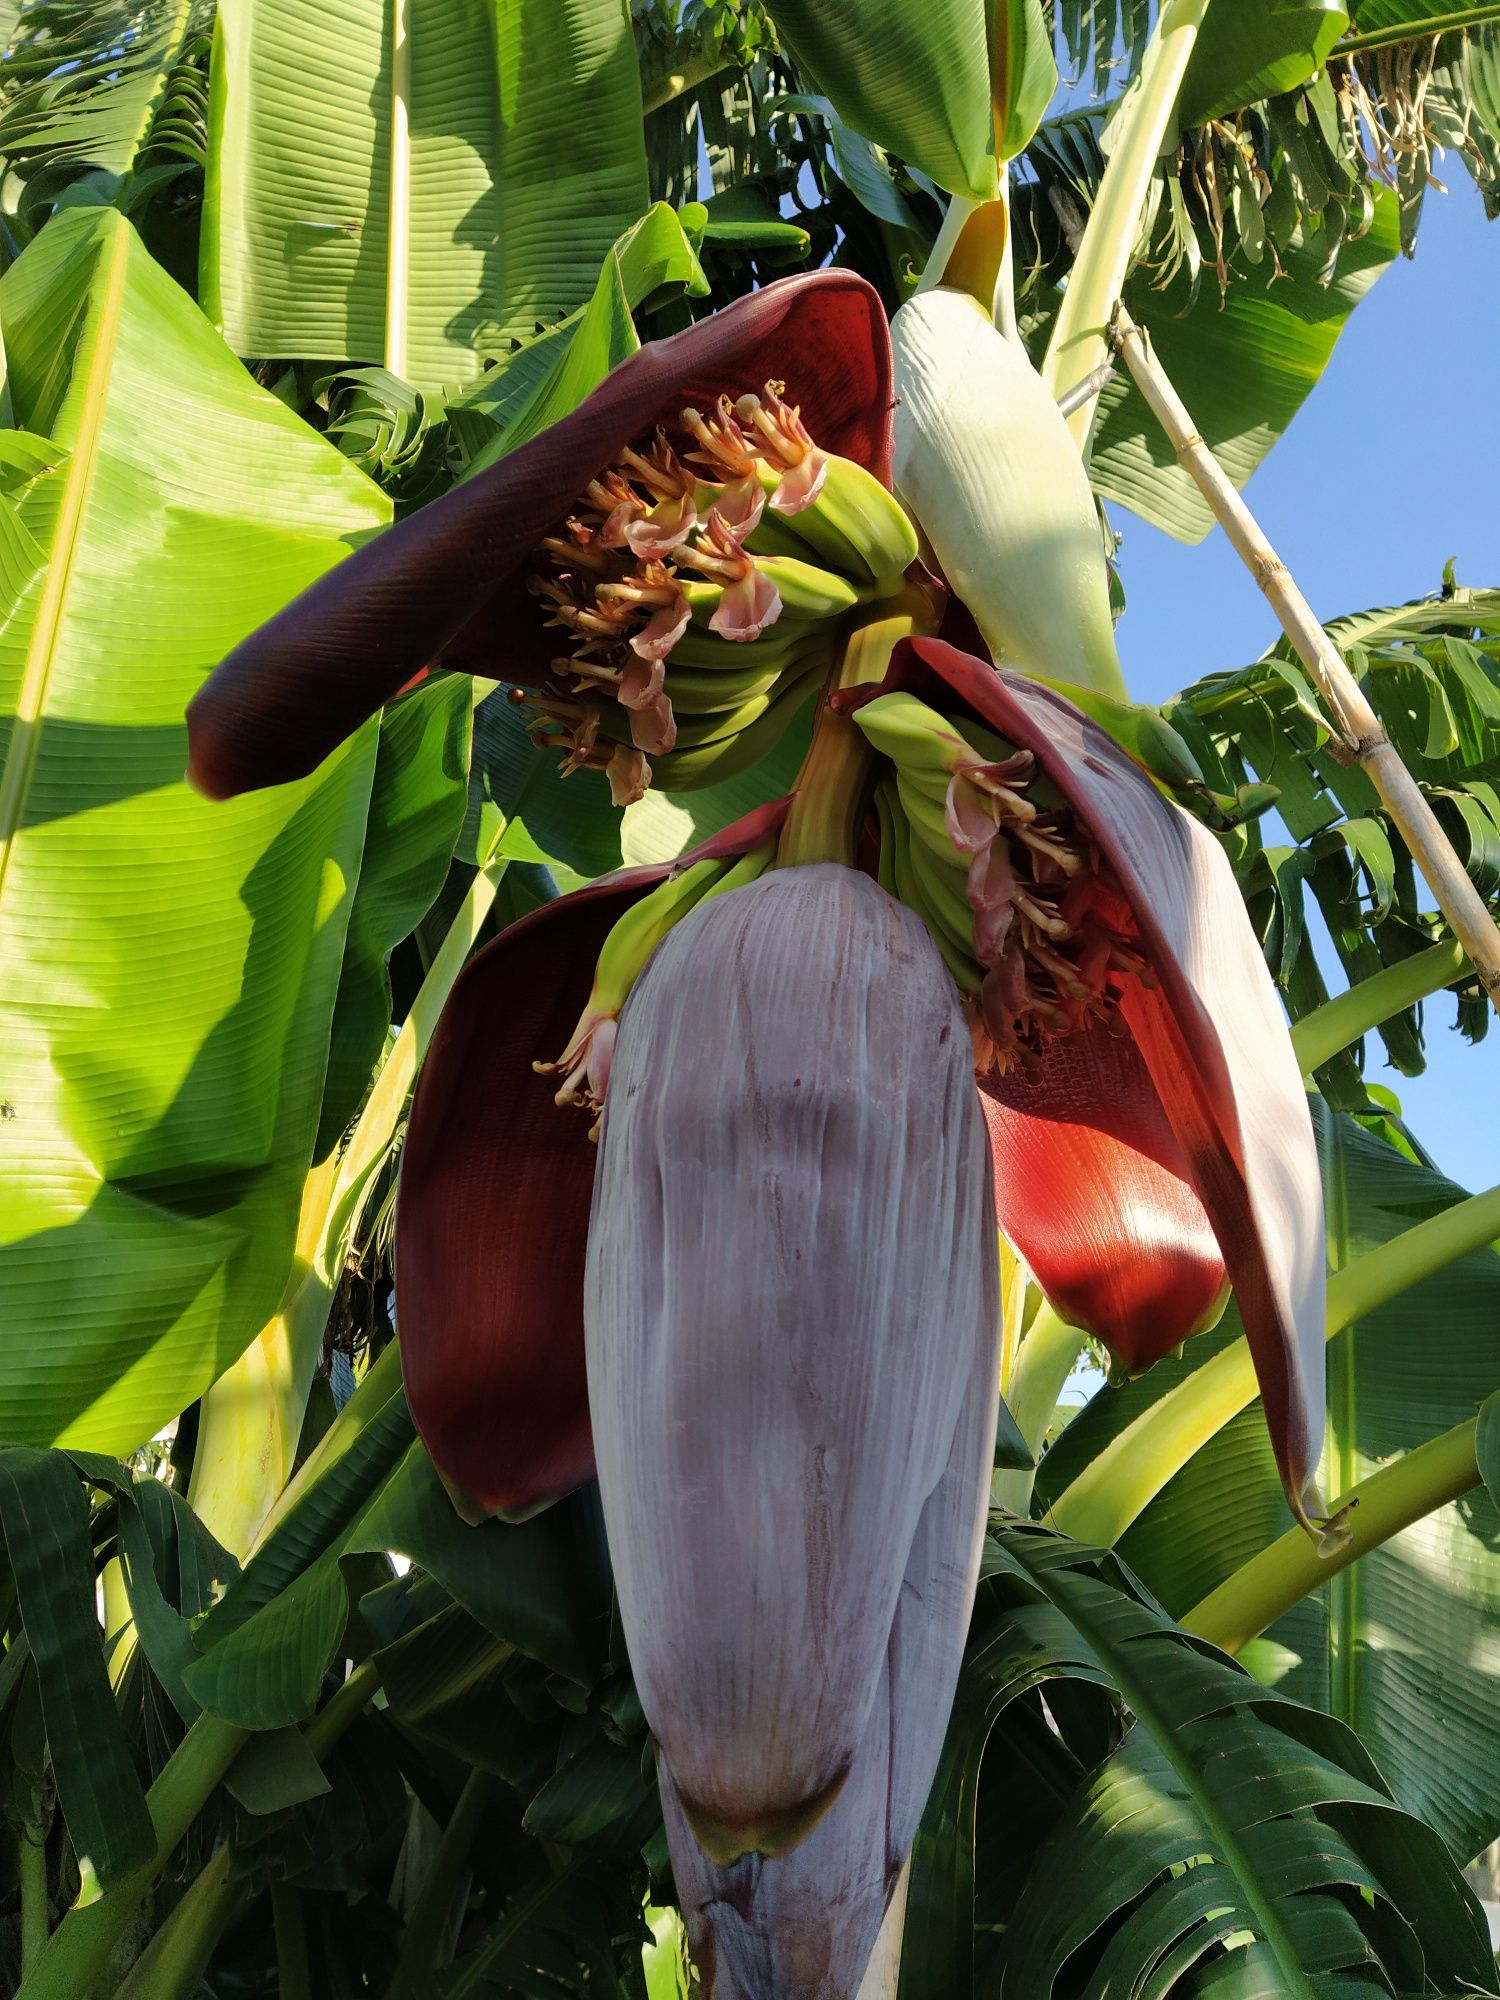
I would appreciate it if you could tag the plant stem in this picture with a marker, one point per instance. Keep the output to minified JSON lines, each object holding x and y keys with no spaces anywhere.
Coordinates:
{"x":293,"y":1975}
{"x":422,"y":1939}
{"x":82,"y":1942}
{"x":1080,"y":336}
{"x":252,"y":1416}
{"x":173,"y":1963}
{"x":1136,"y":1464}
{"x":1354,"y":719}
{"x":833,"y":786}
{"x":1049,"y":1350}
{"x":1261,"y":1590}
{"x":35,"y":1907}
{"x":1342,"y":1021}
{"x":342,"y":1708}
{"x":1407,"y":31}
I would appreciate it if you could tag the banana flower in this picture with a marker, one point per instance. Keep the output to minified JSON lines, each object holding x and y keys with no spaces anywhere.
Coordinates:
{"x":765,"y":1304}
{"x":1149,"y":1124}
{"x":659,"y":575}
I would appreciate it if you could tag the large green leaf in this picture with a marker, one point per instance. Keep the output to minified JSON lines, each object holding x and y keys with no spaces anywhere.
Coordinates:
{"x":915,"y":80}
{"x":1212,"y":1852}
{"x":416,"y":809}
{"x":1244,"y":364}
{"x":170,"y":964}
{"x":1405,"y":1645}
{"x":415,"y":198}
{"x":572,"y":164}
{"x":1254,"y":49}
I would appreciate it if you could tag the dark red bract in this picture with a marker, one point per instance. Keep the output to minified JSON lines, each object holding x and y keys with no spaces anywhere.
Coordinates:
{"x":444,"y":586}
{"x":493,"y":1217}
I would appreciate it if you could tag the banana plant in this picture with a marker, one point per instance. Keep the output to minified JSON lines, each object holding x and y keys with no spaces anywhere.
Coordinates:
{"x":753,"y":1610}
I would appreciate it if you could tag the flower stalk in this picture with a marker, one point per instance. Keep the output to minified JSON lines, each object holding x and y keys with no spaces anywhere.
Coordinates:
{"x":1355,"y":721}
{"x":1117,"y":1486}
{"x":1281,"y":1575}
{"x":834,"y":783}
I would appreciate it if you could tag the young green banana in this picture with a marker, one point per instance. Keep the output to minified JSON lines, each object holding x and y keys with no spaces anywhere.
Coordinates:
{"x":855,"y":526}
{"x":805,"y":591}
{"x":686,"y":770}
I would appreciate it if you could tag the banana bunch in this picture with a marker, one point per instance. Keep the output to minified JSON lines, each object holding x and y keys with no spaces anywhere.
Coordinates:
{"x":919,"y":864}
{"x":585,"y":1063}
{"x":704,"y":621}
{"x":854,"y":527}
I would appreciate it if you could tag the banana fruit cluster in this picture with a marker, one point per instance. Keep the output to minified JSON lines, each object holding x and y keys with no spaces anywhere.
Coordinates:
{"x":584,"y":1064}
{"x":1007,"y":879}
{"x":705,"y":584}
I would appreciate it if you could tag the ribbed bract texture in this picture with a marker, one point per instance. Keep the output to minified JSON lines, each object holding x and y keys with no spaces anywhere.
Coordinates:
{"x":791,"y":1310}
{"x":987,"y":465}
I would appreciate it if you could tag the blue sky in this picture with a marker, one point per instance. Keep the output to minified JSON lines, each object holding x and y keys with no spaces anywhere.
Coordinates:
{"x":1391,"y":467}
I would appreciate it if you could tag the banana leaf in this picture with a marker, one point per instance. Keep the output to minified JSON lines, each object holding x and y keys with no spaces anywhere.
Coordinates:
{"x":171,"y":966}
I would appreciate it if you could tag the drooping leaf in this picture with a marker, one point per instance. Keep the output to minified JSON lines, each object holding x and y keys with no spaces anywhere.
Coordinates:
{"x":95,"y":91}
{"x":1222,"y":1834}
{"x":171,"y":968}
{"x":1243,"y":364}
{"x":1256,"y":49}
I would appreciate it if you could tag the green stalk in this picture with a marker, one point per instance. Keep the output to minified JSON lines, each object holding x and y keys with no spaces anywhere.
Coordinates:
{"x":173,"y":1963}
{"x":342,"y":1708}
{"x":1133,"y":1467}
{"x":837,"y":776}
{"x":82,"y":1942}
{"x":35,"y":1908}
{"x":1079,"y":338}
{"x":251,"y":1418}
{"x":1261,"y":1590}
{"x":1341,"y":1022}
{"x":293,"y":1975}
{"x":1436,"y":24}
{"x":415,"y":1966}
{"x":1049,"y":1350}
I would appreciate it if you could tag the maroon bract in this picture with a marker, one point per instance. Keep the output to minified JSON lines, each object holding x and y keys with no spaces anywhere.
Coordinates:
{"x":792,"y":1319}
{"x":492,"y":1222}
{"x":446,"y":586}
{"x":1117,"y":1165}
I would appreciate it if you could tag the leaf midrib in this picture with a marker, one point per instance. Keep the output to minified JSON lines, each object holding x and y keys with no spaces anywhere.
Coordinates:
{"x":41,"y":654}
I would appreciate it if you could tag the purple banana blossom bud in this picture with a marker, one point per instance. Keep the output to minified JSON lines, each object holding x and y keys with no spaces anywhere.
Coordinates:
{"x":791,"y":1312}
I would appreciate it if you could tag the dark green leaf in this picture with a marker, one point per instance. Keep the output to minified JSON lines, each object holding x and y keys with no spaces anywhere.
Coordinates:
{"x":45,"y":1518}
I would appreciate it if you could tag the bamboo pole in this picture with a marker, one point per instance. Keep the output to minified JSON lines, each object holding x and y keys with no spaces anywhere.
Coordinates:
{"x":1358,"y":728}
